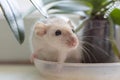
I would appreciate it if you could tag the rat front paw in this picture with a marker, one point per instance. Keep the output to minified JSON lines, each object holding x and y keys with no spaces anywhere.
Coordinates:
{"x":33,"y":56}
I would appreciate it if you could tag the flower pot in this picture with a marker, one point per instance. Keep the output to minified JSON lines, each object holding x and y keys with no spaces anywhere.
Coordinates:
{"x":78,"y":71}
{"x":97,"y":37}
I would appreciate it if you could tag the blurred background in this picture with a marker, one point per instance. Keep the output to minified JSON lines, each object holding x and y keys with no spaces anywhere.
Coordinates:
{"x":10,"y":49}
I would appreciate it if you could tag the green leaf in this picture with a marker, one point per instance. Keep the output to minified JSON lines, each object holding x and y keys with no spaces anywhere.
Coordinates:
{"x":74,"y":7}
{"x":14,"y":18}
{"x":57,"y":11}
{"x":45,"y":2}
{"x":96,"y":3}
{"x":39,"y":5}
{"x":65,"y":6}
{"x":112,"y":39}
{"x":115,"y":48}
{"x":77,"y":5}
{"x":115,"y":15}
{"x":60,"y":7}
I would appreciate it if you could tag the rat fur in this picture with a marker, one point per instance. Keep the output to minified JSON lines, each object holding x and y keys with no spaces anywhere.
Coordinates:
{"x":53,"y":39}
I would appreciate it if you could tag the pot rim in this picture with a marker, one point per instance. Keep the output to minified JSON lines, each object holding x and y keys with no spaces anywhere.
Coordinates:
{"x":78,"y":64}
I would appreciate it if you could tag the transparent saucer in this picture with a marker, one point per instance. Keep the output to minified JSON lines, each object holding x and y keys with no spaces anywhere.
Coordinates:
{"x":78,"y":71}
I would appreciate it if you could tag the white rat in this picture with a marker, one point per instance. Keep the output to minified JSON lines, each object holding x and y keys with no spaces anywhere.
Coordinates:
{"x":54,"y":40}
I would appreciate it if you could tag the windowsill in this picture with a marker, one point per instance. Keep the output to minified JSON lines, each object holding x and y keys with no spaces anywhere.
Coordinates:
{"x":19,"y":72}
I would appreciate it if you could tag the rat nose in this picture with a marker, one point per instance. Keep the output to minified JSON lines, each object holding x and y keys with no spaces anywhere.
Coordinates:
{"x":72,"y":41}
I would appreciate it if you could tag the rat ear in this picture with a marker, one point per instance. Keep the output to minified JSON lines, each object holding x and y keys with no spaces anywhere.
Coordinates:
{"x":70,"y":23}
{"x":40,"y":29}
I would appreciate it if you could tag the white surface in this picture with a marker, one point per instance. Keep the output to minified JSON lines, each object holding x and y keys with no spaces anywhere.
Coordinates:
{"x":19,"y":72}
{"x":69,"y":71}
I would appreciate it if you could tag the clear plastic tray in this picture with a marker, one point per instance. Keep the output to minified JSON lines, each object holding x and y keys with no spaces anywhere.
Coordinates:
{"x":78,"y":71}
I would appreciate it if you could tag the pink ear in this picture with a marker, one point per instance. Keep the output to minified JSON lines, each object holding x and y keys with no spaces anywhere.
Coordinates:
{"x":40,"y":29}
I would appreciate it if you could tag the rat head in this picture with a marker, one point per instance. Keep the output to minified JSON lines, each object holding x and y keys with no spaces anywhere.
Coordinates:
{"x":58,"y":33}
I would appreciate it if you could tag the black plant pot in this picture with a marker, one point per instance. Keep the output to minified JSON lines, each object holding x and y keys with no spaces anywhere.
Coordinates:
{"x":97,"y":46}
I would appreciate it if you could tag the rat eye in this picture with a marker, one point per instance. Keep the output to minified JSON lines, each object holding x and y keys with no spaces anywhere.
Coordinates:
{"x":58,"y":32}
{"x":73,"y":30}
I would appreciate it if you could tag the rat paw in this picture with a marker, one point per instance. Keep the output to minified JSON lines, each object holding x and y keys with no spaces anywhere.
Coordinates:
{"x":33,"y":56}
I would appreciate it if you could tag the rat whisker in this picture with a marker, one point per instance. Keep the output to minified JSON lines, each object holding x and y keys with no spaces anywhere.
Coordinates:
{"x":87,"y":54}
{"x":108,"y":39}
{"x":91,"y":53}
{"x":83,"y":57}
{"x":94,"y":46}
